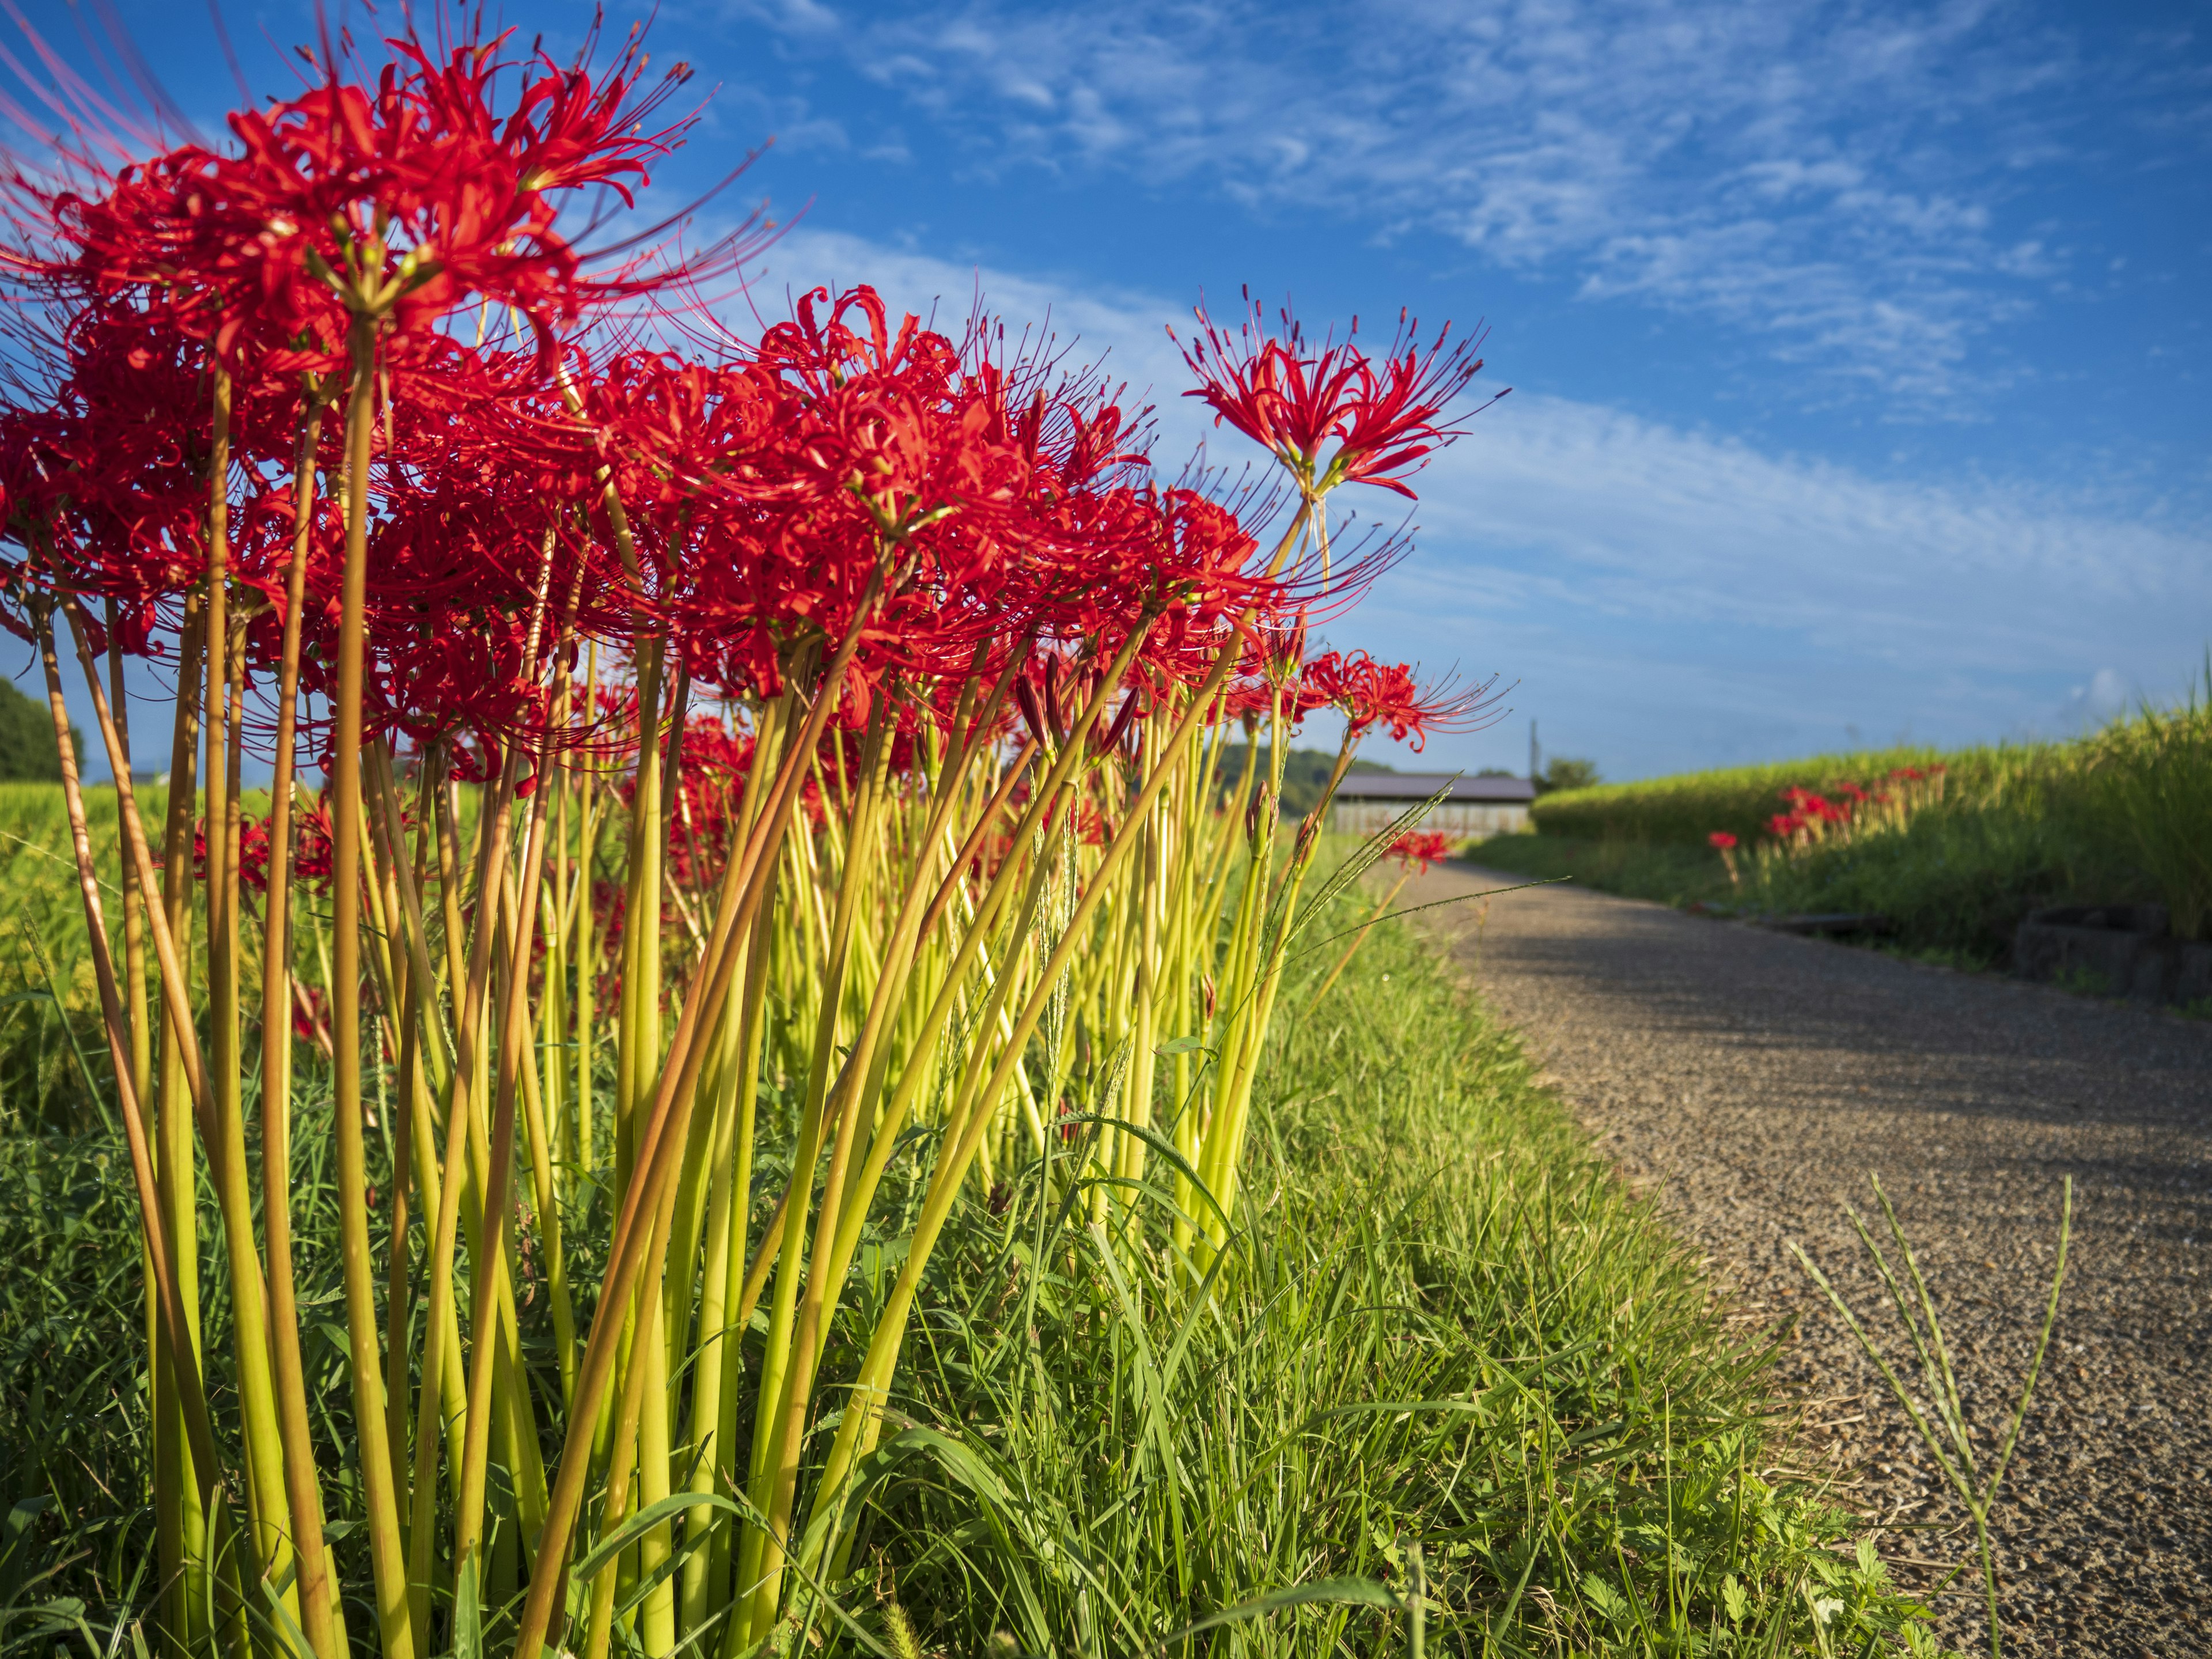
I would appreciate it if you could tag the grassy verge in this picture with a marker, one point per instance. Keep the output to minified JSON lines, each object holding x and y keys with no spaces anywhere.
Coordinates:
{"x":2124,"y":815}
{"x":1449,"y":1364}
{"x":1449,"y":1350}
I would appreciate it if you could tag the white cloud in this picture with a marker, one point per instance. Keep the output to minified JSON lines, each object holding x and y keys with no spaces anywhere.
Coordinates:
{"x":1676,"y":597}
{"x":2105,"y":696}
{"x":1828,"y":180}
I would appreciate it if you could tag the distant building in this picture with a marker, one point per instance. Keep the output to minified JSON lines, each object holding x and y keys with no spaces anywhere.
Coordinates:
{"x":1371,"y":801}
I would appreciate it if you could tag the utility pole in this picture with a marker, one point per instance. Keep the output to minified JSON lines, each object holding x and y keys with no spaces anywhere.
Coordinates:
{"x":1536,"y":755}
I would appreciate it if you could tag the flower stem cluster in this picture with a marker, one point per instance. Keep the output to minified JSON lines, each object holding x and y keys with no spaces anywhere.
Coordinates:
{"x":696,"y":768}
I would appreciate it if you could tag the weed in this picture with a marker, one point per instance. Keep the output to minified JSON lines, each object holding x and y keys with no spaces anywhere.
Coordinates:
{"x":2082,"y":981}
{"x":1938,"y":1411}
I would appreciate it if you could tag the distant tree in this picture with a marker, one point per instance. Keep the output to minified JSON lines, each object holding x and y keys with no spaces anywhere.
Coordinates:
{"x":1498,"y":772}
{"x":28,"y":751}
{"x":1566,"y":773}
{"x":1304,"y":772}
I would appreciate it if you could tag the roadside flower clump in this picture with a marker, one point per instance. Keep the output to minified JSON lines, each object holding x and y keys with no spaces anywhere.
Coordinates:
{"x":831,"y":718}
{"x":1812,"y":821}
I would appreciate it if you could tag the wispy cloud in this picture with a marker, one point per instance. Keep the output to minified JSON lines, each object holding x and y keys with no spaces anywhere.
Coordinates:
{"x":1685,"y":595}
{"x":1834,"y":181}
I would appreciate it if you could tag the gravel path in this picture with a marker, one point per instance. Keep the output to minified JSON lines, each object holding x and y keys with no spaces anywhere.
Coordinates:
{"x":1758,"y":1079}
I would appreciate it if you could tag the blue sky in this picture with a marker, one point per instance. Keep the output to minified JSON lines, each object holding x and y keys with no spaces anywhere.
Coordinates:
{"x":1862,"y":385}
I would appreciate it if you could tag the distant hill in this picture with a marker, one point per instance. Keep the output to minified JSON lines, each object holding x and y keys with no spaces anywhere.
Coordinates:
{"x":1304,"y":772}
{"x":27,"y":750}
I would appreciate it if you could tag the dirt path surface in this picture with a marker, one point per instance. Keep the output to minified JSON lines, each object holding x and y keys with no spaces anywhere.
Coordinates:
{"x":1758,"y":1079}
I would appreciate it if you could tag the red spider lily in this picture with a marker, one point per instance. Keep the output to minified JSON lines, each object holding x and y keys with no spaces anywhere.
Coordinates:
{"x":1417,"y":849}
{"x":406,"y":199}
{"x":105,"y":486}
{"x":252,"y":853}
{"x":1371,"y":694}
{"x":1813,"y":808}
{"x":1725,"y":844}
{"x":311,"y":850}
{"x":311,"y":847}
{"x":311,"y":1016}
{"x":1272,"y":386}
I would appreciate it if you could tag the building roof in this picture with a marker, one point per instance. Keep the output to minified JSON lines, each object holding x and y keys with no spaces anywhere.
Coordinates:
{"x":1420,"y":786}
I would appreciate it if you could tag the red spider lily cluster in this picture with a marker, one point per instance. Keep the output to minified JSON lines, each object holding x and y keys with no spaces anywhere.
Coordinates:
{"x":539,"y":475}
{"x":1812,"y":819}
{"x":342,"y":420}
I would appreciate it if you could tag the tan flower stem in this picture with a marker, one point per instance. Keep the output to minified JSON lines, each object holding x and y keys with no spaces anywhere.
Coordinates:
{"x":621,"y":1472}
{"x":227,"y":1558}
{"x":586,"y":952}
{"x":398,"y":1292}
{"x":183,"y":1524}
{"x":167,"y":1508}
{"x":544,"y":1194}
{"x":302,"y":1487}
{"x":697,"y":1587}
{"x":441,"y":1404}
{"x":640,"y":1047}
{"x":134,"y":924}
{"x":227,"y":1553}
{"x":638,"y":1030}
{"x":420,"y":970}
{"x":467,"y":1119}
{"x":164,"y":922}
{"x":747,"y":1046}
{"x":386,"y":1543}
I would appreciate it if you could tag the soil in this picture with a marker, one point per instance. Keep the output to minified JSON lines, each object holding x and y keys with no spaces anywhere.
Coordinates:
{"x":1754,"y":1081}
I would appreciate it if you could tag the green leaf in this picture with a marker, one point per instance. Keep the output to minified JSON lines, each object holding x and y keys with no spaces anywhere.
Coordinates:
{"x":1336,"y":1592}
{"x":1182,"y":1045}
{"x":635,"y":1527}
{"x":468,"y":1612}
{"x":1608,"y":1600}
{"x":1733,"y":1599}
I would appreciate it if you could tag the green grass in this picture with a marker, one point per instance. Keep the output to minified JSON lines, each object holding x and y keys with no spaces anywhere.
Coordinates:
{"x":1447,"y":1353}
{"x":1446,"y":1330}
{"x":2123,"y":815}
{"x":51,"y":1039}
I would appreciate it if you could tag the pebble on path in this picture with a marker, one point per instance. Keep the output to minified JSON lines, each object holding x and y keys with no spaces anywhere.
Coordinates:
{"x":1756,"y":1080}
